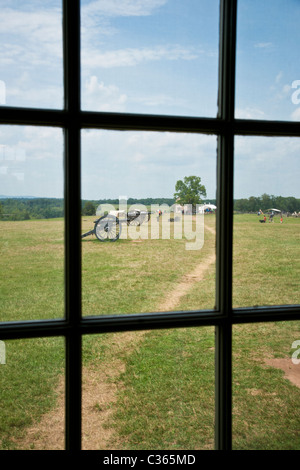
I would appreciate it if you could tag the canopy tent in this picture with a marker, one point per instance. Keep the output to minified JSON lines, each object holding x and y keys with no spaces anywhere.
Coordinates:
{"x":207,"y":207}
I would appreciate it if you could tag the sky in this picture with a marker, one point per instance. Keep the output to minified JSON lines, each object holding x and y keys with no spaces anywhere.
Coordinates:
{"x":151,"y":57}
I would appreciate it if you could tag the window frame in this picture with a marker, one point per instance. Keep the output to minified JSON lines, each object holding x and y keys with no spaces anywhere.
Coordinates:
{"x":72,"y":120}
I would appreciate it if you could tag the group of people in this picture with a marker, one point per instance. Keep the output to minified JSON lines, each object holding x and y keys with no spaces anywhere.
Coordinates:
{"x":271,"y":217}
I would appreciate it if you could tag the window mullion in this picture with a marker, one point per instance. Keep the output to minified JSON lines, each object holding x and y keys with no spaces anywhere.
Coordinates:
{"x":71,"y":34}
{"x":225,"y":175}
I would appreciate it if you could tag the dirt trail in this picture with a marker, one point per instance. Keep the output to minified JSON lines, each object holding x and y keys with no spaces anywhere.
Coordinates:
{"x":100,"y":387}
{"x":291,"y":370}
{"x":173,"y":298}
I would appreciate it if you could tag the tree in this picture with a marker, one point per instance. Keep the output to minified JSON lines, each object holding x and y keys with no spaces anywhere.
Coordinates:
{"x":88,"y":208}
{"x":189,"y":191}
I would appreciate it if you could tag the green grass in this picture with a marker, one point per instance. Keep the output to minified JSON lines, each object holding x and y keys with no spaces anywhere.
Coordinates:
{"x":266,"y":261}
{"x":131,"y":277}
{"x":166,"y":392}
{"x":168,"y":399}
{"x":28,"y":385}
{"x":266,"y":414}
{"x":32,"y":270}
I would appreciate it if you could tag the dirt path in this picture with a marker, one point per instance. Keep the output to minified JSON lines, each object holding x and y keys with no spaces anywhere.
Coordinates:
{"x":173,"y":298}
{"x":291,"y":370}
{"x":100,"y":385}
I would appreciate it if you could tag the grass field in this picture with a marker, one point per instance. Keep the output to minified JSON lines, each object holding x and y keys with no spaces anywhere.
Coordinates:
{"x":164,"y":392}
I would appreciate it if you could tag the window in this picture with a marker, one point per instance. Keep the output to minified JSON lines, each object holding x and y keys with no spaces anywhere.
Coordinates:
{"x":73,"y":121}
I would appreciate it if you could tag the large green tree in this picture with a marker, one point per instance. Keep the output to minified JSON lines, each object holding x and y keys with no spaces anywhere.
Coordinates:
{"x":88,"y":208}
{"x":189,"y":191}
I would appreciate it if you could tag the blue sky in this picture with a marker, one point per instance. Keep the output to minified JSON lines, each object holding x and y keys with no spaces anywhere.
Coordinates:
{"x":153,"y":57}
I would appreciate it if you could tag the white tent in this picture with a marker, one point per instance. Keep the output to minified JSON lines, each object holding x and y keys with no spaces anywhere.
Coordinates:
{"x":208,"y":206}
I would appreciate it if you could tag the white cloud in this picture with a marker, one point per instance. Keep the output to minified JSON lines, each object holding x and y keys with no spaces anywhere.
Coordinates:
{"x":263,"y":45}
{"x":132,"y":56}
{"x":280,"y":92}
{"x":265,"y":155}
{"x":159,"y":100}
{"x":249,"y":113}
{"x":266,"y":165}
{"x":286,"y":89}
{"x":100,"y":97}
{"x":2,"y":92}
{"x":31,"y":160}
{"x":34,"y":37}
{"x":278,"y":77}
{"x":295,"y":116}
{"x":123,"y":8}
{"x":96,"y":15}
{"x":31,"y":54}
{"x":144,"y":163}
{"x":105,"y":96}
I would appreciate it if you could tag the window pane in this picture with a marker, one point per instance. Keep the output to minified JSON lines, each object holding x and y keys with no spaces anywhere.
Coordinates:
{"x":268,"y":80}
{"x":31,"y":54}
{"x":32,"y":395}
{"x":154,"y":57}
{"x":161,"y":264}
{"x":31,"y":223}
{"x":266,"y":393}
{"x":266,"y":262}
{"x":135,"y":399}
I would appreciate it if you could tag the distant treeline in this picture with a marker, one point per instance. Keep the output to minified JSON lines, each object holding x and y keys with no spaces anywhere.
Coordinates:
{"x":32,"y":208}
{"x":49,"y":208}
{"x":264,"y":202}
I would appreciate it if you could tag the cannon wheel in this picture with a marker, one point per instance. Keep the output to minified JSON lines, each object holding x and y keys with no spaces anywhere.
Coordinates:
{"x":108,"y":228}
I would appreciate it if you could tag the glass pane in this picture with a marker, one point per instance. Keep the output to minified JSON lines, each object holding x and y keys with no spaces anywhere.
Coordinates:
{"x":31,"y":54}
{"x":266,"y":261}
{"x":157,"y":262}
{"x":266,"y":386}
{"x":135,"y":399}
{"x":31,"y":223}
{"x":154,"y":57}
{"x":32,"y":395}
{"x":267,"y":79}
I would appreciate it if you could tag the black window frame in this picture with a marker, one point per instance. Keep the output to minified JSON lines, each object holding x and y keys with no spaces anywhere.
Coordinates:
{"x":72,"y":120}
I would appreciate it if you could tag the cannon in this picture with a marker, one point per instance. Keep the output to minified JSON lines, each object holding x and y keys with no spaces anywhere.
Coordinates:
{"x":109,"y":226}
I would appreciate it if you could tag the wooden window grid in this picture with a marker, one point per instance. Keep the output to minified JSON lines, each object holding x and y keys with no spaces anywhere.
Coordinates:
{"x":73,"y":326}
